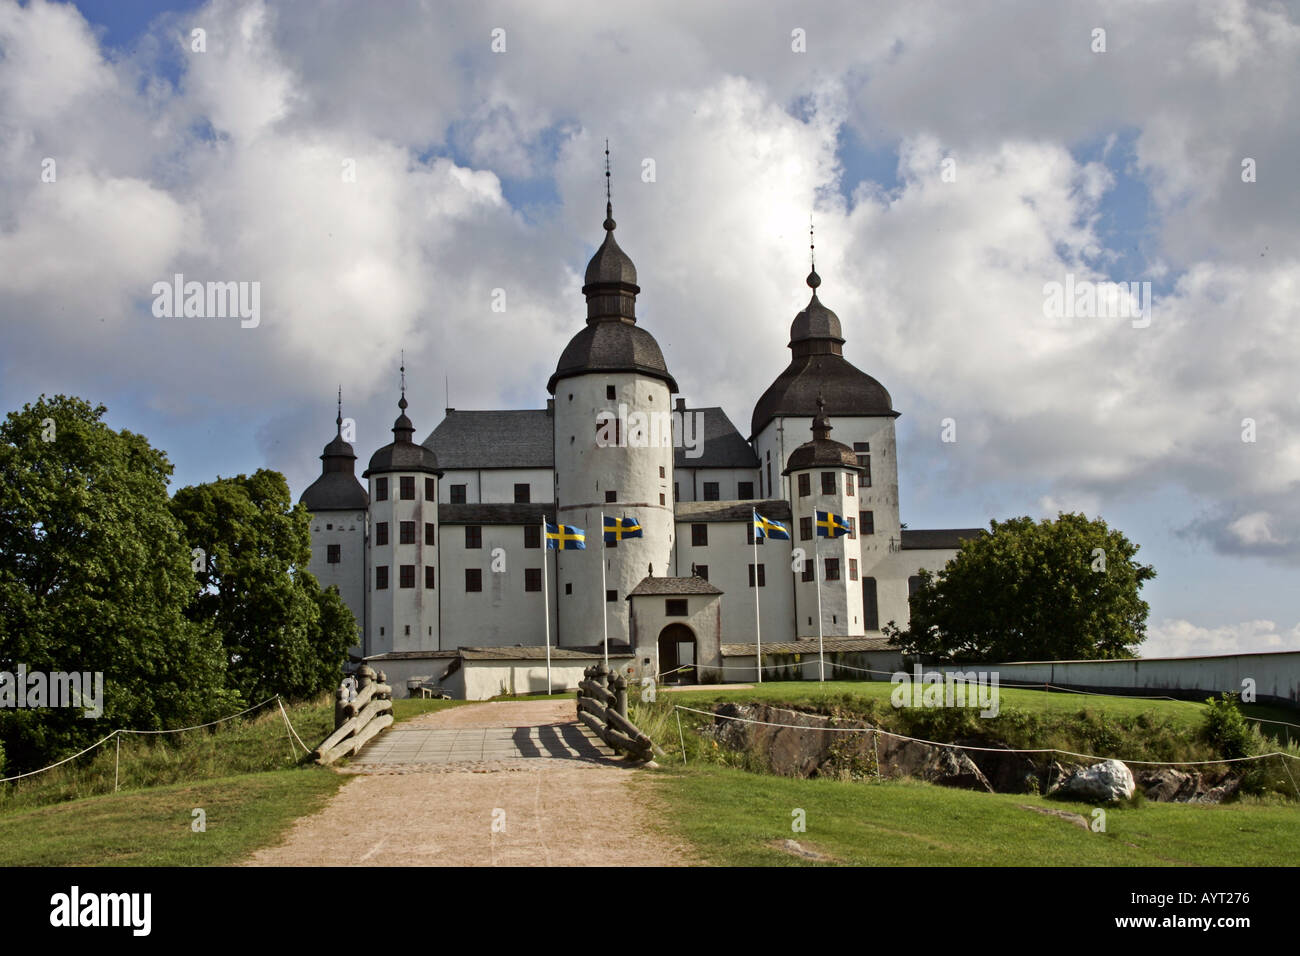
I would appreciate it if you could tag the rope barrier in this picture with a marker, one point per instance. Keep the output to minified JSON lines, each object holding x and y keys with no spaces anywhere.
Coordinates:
{"x":936,"y":743}
{"x":115,"y":733}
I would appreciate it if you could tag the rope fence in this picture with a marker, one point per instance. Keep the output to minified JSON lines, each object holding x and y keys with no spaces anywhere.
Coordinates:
{"x":176,"y":730}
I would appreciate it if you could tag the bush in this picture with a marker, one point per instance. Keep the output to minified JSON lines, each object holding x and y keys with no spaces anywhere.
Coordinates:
{"x":1227,"y":730}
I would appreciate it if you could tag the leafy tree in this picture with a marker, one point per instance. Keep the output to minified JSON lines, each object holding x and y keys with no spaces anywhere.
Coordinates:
{"x":94,"y":576}
{"x":282,"y":633}
{"x":1063,"y":589}
{"x":1226,"y":728}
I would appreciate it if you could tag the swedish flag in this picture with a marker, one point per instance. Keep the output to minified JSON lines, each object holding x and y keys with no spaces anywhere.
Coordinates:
{"x":616,"y":529}
{"x":565,"y":537}
{"x":831,"y":525}
{"x":767,"y":528}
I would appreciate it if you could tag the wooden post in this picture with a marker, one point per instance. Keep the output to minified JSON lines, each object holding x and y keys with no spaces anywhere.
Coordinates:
{"x":365,"y":674}
{"x":619,"y":686}
{"x":340,"y":702}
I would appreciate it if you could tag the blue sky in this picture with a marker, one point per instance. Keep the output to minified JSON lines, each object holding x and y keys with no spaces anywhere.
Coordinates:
{"x":479,"y":171}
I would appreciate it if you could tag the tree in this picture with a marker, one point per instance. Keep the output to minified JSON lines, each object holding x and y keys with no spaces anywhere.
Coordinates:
{"x":282,"y":633}
{"x":1063,"y":589}
{"x":94,"y":577}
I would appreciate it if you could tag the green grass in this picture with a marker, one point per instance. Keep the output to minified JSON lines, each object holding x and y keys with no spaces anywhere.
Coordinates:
{"x":735,"y":818}
{"x":415,"y":706}
{"x":154,"y":827}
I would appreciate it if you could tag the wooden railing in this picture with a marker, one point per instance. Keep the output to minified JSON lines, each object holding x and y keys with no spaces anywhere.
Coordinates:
{"x":359,"y":719}
{"x":602,"y":706}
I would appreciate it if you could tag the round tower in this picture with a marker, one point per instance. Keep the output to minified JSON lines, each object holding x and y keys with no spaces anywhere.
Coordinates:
{"x":613,"y":450}
{"x":338,"y":505}
{"x":403,"y":578}
{"x":824,"y":477}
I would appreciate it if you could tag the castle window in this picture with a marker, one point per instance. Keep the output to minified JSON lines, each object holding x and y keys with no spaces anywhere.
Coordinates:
{"x":853,"y":528}
{"x":700,"y":535}
{"x":381,"y":489}
{"x":676,"y":607}
{"x":406,"y":576}
{"x":430,"y":489}
{"x":805,"y":485}
{"x":329,"y":527}
{"x":749,"y":535}
{"x":473,"y":579}
{"x":805,"y":529}
{"x":867,"y":522}
{"x":745,"y":491}
{"x":521,"y":493}
{"x":406,"y":532}
{"x":848,"y":485}
{"x":769,"y":476}
{"x":381,"y":533}
{"x":862,"y":450}
{"x":611,"y":496}
{"x":832,"y":569}
{"x":381,"y":578}
{"x":408,"y":630}
{"x":333,"y":554}
{"x":870,"y":608}
{"x":711,"y":491}
{"x":473,"y":536}
{"x":611,"y":597}
{"x":532,"y":579}
{"x":762,"y":577}
{"x":829,"y":485}
{"x":662,"y":501}
{"x":662,"y":473}
{"x":853,"y":569}
{"x":532,"y":536}
{"x":677,"y":495}
{"x":430,"y":533}
{"x":408,"y":487}
{"x":568,"y":588}
{"x":609,"y":392}
{"x":702,"y":571}
{"x":457,"y":494}
{"x":809,"y":573}
{"x":913,"y":585}
{"x":428,"y":577}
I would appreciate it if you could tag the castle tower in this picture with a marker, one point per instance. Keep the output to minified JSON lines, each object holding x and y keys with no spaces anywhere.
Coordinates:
{"x":338,"y":504}
{"x":403,"y":575}
{"x":613,"y":449}
{"x":824,"y":476}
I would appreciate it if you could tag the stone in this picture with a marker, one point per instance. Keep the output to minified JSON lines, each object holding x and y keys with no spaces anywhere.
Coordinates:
{"x":1102,"y":783}
{"x":1168,"y":785}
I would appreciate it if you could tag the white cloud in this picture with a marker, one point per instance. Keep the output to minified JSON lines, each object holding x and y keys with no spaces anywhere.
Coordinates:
{"x":1179,"y":638}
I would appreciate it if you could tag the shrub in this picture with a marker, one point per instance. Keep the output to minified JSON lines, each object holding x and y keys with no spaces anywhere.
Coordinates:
{"x":1227,"y":730}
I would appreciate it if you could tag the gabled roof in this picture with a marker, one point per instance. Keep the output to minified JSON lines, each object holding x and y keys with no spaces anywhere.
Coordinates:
{"x":705,"y":511}
{"x":494,"y":439}
{"x":938,"y":539}
{"x":718,"y":444}
{"x":673,"y":586}
{"x":514,"y":514}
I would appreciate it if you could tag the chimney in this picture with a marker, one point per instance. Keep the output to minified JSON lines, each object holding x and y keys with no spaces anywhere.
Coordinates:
{"x":681,"y":404}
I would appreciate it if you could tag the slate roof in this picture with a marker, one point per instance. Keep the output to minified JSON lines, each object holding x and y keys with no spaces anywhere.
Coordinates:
{"x":831,"y":644}
{"x":687,"y":585}
{"x":849,"y":392}
{"x":706,"y":511}
{"x":612,"y":346}
{"x":529,"y":653}
{"x":402,"y":456}
{"x":494,"y":439}
{"x":719,"y":444}
{"x":336,"y":491}
{"x":821,"y":453}
{"x":938,"y":539}
{"x":495,"y":514}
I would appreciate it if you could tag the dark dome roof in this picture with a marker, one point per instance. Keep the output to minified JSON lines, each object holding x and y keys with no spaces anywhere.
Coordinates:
{"x":612,"y":347}
{"x":822,"y":451}
{"x":337,"y":489}
{"x":818,"y":367}
{"x":612,"y":341}
{"x":402,"y":454}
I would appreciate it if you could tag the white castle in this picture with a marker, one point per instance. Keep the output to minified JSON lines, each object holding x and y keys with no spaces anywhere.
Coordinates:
{"x":440,"y":554}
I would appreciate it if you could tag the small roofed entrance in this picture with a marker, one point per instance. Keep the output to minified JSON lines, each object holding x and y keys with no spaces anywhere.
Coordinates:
{"x":677,"y":655}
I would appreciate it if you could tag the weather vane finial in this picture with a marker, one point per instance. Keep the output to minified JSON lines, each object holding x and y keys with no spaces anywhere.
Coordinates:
{"x":814,"y":280}
{"x":339,"y":419}
{"x":402,"y":404}
{"x":609,"y":197}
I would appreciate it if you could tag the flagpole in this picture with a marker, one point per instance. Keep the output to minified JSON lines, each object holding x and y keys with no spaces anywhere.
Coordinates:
{"x":604,"y":597}
{"x":758,"y":623}
{"x":821,"y":654}
{"x":546,"y":606}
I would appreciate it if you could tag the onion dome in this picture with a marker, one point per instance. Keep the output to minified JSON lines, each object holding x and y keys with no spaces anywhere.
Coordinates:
{"x":337,"y":488}
{"x":612,"y":341}
{"x":822,"y":451}
{"x":818,"y":369}
{"x":402,"y":454}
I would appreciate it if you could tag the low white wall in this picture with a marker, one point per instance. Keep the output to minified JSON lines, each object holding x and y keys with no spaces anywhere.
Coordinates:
{"x":486,"y":679}
{"x":1276,"y":676}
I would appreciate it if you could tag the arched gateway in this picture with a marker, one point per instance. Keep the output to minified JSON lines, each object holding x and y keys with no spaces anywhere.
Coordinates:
{"x":677,"y":649}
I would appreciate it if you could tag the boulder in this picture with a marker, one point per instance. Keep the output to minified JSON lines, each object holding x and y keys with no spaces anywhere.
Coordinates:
{"x":1168,"y":785}
{"x":1100,"y":783}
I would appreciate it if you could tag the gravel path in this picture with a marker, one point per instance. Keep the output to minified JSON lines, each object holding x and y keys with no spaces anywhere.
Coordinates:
{"x":543,"y":810}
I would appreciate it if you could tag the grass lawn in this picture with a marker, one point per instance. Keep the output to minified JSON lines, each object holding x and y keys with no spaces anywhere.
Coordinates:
{"x":153,"y":827}
{"x":736,"y":818}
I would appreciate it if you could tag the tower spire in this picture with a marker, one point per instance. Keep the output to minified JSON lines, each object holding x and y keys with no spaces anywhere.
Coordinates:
{"x":402,"y":403}
{"x":814,"y":280}
{"x":609,"y":197}
{"x":821,"y":426}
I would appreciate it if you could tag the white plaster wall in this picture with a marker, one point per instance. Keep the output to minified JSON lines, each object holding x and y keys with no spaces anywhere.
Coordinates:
{"x":349,"y":575}
{"x":584,"y":473}
{"x":704,"y":618}
{"x":891,"y":572}
{"x":503,"y":613}
{"x":486,"y":679}
{"x":690,"y":482}
{"x":841,"y":601}
{"x":395,"y":609}
{"x":497,"y":485}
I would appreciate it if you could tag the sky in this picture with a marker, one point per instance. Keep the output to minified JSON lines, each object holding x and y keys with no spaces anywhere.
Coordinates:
{"x":388,"y":172}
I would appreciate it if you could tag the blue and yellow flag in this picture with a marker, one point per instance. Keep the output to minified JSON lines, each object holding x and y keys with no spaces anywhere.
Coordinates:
{"x":831,"y":525}
{"x":767,"y":528}
{"x":565,"y":537}
{"x":616,"y":529}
